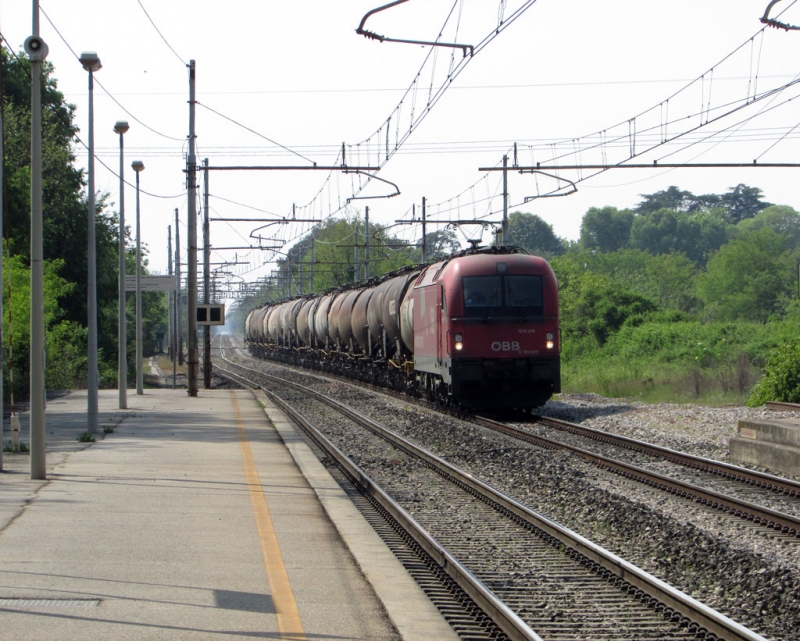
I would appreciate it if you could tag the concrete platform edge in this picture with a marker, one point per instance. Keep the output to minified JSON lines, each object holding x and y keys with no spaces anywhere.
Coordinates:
{"x":407,"y":606}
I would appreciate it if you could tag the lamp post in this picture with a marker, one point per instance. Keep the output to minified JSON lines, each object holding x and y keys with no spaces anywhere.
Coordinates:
{"x":121,"y":127}
{"x":91,"y":63}
{"x":138,"y":167}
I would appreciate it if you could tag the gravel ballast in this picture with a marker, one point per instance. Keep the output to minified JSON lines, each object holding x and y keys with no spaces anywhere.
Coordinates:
{"x":722,"y":561}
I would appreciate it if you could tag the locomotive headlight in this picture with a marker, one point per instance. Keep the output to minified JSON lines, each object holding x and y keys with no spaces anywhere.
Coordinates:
{"x":550,"y":342}
{"x":459,"y":342}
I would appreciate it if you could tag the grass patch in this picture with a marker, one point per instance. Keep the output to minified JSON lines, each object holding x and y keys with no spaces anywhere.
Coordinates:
{"x":21,"y":448}
{"x":166,"y":365}
{"x":85,"y":437}
{"x":683,"y":362}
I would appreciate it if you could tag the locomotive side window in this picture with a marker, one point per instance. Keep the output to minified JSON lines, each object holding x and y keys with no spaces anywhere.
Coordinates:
{"x":503,"y":295}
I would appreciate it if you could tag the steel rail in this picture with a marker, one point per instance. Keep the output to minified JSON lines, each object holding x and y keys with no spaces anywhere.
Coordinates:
{"x":780,"y":405}
{"x":752,"y":477}
{"x":763,"y":516}
{"x":786,"y":523}
{"x":672,"y":599}
{"x":508,"y":621}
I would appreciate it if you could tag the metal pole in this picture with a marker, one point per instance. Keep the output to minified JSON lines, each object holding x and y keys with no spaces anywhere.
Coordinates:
{"x":178,"y":303}
{"x":122,"y":337}
{"x":206,"y":280}
{"x":37,"y":50}
{"x":424,"y":236}
{"x":172,"y":323}
{"x":138,"y":166}
{"x":2,"y":317}
{"x":505,"y":201}
{"x":311,"y":284}
{"x":191,"y":286}
{"x":366,"y":242}
{"x":91,"y":63}
{"x":357,"y":266}
{"x":170,"y":350}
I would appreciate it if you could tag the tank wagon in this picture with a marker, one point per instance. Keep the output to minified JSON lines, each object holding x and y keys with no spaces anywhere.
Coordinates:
{"x":477,"y":330}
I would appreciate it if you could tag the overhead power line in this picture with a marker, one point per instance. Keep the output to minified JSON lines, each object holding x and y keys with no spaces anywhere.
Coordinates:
{"x":98,"y":83}
{"x":384,"y":143}
{"x":158,"y":31}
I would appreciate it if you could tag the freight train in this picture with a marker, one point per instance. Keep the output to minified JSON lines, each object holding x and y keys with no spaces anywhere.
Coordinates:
{"x":478,"y":330}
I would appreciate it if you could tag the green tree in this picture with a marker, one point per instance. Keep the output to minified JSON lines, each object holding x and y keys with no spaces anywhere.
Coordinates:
{"x":440,"y":243}
{"x":666,"y":279}
{"x":671,"y":198}
{"x":750,"y":278}
{"x":666,"y":231}
{"x":65,"y":222}
{"x":782,"y":219}
{"x":534,"y":235}
{"x":742,"y":202}
{"x":592,"y":304}
{"x":338,"y":244}
{"x":607,"y":229}
{"x":65,"y":342}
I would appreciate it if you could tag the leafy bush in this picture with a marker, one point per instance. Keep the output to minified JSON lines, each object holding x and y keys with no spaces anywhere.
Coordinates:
{"x":657,"y":360}
{"x":782,"y":379}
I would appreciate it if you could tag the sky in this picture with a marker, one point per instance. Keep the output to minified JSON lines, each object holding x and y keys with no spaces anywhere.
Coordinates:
{"x":288,"y":83}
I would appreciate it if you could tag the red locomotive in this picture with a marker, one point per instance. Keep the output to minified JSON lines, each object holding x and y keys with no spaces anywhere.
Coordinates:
{"x":477,"y":330}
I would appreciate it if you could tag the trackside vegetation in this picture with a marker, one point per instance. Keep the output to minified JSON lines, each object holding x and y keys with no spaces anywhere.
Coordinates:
{"x":65,"y":247}
{"x":684,"y":298}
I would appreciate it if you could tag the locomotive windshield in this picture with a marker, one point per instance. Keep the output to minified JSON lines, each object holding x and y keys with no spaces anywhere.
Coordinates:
{"x":502,"y":295}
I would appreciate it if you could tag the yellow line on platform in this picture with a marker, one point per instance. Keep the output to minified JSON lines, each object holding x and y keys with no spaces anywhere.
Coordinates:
{"x":289,"y":624}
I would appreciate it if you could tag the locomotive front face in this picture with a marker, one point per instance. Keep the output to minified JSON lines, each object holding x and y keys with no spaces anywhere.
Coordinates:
{"x":500,"y":331}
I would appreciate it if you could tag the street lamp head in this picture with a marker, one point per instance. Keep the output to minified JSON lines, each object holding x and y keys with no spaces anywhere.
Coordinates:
{"x":121,"y":126}
{"x":90,"y":61}
{"x":137,"y":165}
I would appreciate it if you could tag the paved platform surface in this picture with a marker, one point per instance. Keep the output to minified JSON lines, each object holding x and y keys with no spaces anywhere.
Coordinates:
{"x":197,"y":518}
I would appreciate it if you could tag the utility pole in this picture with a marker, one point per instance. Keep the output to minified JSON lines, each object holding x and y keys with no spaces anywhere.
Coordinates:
{"x":366,"y":242}
{"x":311,"y":284}
{"x":36,"y":49}
{"x":2,"y":214}
{"x":191,"y":286}
{"x":178,"y":302}
{"x":206,"y":280}
{"x":424,"y":235}
{"x":356,"y":266}
{"x":171,"y":350}
{"x":504,"y":228}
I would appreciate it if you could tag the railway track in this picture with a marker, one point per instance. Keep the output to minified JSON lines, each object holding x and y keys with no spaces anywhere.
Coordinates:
{"x":766,"y":503}
{"x":718,"y":485}
{"x":535,"y":578}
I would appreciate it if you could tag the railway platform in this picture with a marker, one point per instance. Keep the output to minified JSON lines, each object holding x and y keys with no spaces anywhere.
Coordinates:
{"x":773,"y":444}
{"x":195,"y":518}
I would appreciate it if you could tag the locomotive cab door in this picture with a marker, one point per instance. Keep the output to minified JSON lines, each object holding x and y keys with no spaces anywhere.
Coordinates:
{"x":441,"y":342}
